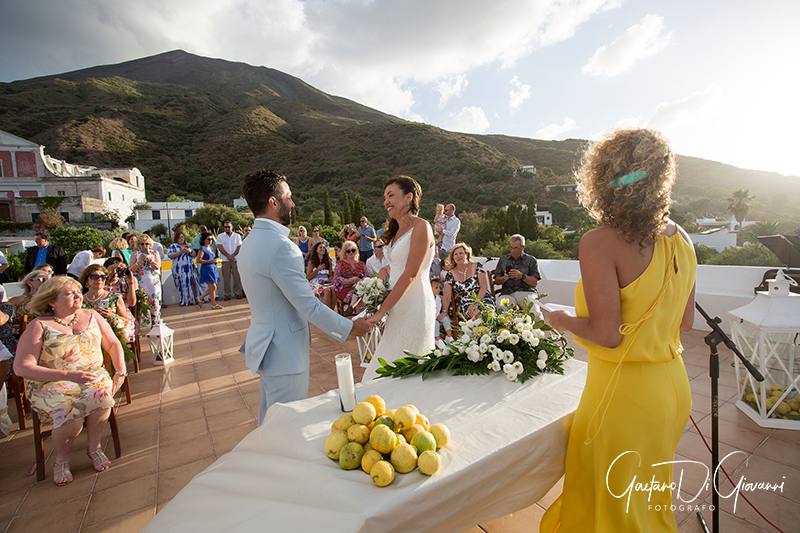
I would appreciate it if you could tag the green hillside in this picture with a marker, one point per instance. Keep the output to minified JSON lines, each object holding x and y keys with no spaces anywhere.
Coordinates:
{"x":195,"y":126}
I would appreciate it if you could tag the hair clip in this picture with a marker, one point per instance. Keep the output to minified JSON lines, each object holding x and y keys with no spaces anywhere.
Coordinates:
{"x":627,"y":179}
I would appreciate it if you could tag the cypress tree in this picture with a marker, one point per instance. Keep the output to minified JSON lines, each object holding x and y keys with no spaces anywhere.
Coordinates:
{"x":358,"y":209}
{"x":326,"y":208}
{"x":346,"y":218}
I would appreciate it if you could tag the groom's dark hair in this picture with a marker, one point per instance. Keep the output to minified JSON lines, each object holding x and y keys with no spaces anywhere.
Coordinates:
{"x":259,"y":187}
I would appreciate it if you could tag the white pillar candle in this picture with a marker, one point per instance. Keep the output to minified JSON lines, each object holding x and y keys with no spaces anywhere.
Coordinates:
{"x":347,"y":388}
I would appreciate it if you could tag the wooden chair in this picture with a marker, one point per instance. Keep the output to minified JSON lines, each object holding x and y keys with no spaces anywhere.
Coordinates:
{"x":16,"y":385}
{"x":136,"y":348}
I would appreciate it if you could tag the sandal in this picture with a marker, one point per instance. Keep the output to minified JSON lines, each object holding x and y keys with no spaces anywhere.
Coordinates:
{"x":199,"y":302}
{"x":62,"y":475}
{"x":99,"y":460}
{"x":217,"y":306}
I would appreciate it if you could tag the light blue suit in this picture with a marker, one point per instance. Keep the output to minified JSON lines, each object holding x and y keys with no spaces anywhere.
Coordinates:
{"x":281,"y":304}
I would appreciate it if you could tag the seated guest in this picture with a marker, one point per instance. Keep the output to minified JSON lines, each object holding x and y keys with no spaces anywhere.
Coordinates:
{"x":443,"y":322}
{"x":122,"y":281}
{"x":84,"y":259}
{"x":378,"y":260}
{"x":45,"y":252}
{"x":107,"y":303}
{"x":337,"y":251}
{"x":465,"y":279}
{"x":349,"y":271}
{"x":61,"y":357}
{"x":30,"y":285}
{"x":319,"y":273}
{"x":518,"y":273}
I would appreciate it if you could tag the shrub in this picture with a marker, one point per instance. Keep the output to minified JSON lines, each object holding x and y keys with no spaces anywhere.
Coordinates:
{"x":747,"y":255}
{"x":159,"y":229}
{"x":7,"y":225}
{"x":49,"y":220}
{"x":15,"y":269}
{"x":74,"y":240}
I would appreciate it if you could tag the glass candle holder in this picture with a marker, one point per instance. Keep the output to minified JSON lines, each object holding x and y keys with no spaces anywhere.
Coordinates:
{"x":347,"y":388}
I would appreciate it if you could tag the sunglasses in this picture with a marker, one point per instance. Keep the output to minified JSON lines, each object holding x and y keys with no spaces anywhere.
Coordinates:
{"x":351,"y":251}
{"x":98,"y":276}
{"x":40,"y":279}
{"x":228,"y":227}
{"x":381,"y":246}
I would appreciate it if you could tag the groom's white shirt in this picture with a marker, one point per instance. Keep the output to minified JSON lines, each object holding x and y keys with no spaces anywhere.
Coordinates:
{"x":281,"y":303}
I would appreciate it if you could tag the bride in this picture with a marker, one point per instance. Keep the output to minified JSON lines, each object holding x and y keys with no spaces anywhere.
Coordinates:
{"x":410,"y":304}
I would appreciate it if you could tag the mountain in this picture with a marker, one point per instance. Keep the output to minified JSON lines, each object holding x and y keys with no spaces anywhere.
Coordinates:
{"x":195,"y":126}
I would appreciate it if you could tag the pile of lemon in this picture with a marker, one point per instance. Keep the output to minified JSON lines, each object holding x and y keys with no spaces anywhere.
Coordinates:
{"x":788,"y":408}
{"x":383,"y":442}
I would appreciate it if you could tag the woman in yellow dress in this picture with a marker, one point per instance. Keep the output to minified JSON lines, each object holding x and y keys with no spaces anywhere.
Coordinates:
{"x":635,"y":296}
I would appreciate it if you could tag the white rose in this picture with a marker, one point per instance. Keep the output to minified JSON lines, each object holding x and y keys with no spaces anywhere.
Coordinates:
{"x":513,"y":338}
{"x":541,"y":364}
{"x":534,"y":341}
{"x":497,"y":355}
{"x":542,"y":355}
{"x":518,"y":367}
{"x":508,"y":368}
{"x":437,"y":353}
{"x":508,"y":357}
{"x":495,"y":366}
{"x":446,"y":350}
{"x":464,"y":339}
{"x":486,"y":339}
{"x":511,"y":376}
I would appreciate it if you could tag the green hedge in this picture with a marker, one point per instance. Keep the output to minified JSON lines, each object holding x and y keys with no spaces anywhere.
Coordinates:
{"x":7,"y":225}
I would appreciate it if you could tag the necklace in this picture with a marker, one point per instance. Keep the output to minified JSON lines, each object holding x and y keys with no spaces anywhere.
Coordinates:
{"x":93,"y":299}
{"x":463,"y":272}
{"x":70,"y":323}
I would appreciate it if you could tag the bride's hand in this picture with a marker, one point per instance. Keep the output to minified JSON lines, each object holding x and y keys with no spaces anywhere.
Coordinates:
{"x":374,"y":319}
{"x":558,"y":320}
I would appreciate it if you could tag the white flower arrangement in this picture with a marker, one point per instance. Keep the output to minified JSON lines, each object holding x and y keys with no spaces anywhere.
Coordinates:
{"x":372,"y":292}
{"x":505,"y":340}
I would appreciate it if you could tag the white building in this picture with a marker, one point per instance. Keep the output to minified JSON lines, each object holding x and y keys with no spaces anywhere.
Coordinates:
{"x":26,"y":171}
{"x":167,"y":213}
{"x":718,"y":234}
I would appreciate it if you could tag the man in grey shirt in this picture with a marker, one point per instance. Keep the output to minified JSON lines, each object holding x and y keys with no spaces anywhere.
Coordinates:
{"x":518,"y":273}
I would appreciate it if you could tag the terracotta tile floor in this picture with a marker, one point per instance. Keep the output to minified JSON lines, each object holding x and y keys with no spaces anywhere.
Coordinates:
{"x":188,"y":414}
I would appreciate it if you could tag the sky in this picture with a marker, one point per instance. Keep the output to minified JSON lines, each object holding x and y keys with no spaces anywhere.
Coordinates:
{"x":719,"y":78}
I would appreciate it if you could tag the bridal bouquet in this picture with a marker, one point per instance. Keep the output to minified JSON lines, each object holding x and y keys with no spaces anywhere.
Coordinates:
{"x":507,"y":340}
{"x":372,"y":292}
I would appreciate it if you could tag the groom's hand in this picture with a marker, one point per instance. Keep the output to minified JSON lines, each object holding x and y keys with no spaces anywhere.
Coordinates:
{"x":360,"y":327}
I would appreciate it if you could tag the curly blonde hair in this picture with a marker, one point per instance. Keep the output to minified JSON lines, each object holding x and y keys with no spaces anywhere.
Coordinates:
{"x":47,"y":294}
{"x":638,"y":210}
{"x":450,"y":262}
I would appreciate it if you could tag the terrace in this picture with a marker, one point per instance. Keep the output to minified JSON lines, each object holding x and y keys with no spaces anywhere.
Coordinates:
{"x":186,"y":415}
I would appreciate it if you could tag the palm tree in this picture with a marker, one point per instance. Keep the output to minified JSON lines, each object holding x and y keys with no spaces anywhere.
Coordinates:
{"x":739,"y":204}
{"x":760,"y":229}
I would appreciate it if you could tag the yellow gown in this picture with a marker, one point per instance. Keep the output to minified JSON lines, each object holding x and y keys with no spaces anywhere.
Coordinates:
{"x":633,"y":409}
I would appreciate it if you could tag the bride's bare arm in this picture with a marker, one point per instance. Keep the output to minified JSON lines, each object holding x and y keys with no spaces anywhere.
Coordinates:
{"x":421,"y":241}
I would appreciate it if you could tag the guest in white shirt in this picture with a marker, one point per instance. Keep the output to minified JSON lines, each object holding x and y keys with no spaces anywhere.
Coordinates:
{"x":229,"y":243}
{"x":377,"y":261}
{"x":84,"y":259}
{"x":451,"y":228}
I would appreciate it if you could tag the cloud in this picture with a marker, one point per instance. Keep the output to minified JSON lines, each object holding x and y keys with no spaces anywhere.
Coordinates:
{"x":452,"y":86}
{"x":516,"y":97}
{"x":468,"y":120}
{"x":692,"y":109}
{"x":638,"y":42}
{"x":556,"y":130}
{"x":377,"y":53}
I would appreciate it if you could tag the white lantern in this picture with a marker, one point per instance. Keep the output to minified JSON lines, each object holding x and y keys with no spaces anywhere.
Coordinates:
{"x":767,"y":332}
{"x":160,"y":338}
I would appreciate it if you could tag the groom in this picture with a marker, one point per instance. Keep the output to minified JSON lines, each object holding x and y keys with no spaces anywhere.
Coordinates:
{"x":281,"y":301}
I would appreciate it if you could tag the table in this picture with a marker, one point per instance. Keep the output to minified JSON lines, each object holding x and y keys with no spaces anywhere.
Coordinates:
{"x":508,"y":443}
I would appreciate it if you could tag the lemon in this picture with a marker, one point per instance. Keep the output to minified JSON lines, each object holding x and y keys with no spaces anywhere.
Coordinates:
{"x":345,"y":421}
{"x":364,"y":413}
{"x":441,"y":434}
{"x":367,"y":445}
{"x":350,"y":456}
{"x":414,"y":407}
{"x":429,"y":462}
{"x":383,"y":439}
{"x":422,"y":420}
{"x":413,"y":430}
{"x":378,"y":403}
{"x":404,"y":458}
{"x":358,"y":433}
{"x":783,"y":408}
{"x":776,"y":387}
{"x":404,"y":418}
{"x":382,"y":473}
{"x":424,"y":441}
{"x":369,"y":459}
{"x":334,"y":443}
{"x":385,"y":420}
{"x":390,"y":413}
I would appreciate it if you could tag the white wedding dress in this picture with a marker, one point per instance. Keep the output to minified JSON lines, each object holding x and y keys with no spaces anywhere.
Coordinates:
{"x":410,"y":323}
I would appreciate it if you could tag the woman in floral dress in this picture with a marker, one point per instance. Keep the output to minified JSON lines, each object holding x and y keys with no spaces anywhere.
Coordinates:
{"x":60,"y":356}
{"x":348,"y":271}
{"x":107,"y":303}
{"x":184,"y":273}
{"x":467,"y":280}
{"x":146,"y":266}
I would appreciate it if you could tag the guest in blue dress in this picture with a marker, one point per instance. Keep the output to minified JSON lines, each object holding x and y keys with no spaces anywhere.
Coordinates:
{"x":208,"y":270}
{"x":184,"y":273}
{"x":303,"y":244}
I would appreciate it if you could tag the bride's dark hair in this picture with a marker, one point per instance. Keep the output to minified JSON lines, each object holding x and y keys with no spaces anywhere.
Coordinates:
{"x":406,"y":185}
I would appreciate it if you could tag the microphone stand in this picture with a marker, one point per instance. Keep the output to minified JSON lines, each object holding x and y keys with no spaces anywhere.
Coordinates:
{"x":713,"y":339}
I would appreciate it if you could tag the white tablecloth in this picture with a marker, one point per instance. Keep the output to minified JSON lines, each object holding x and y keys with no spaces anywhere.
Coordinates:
{"x":507,"y":449}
